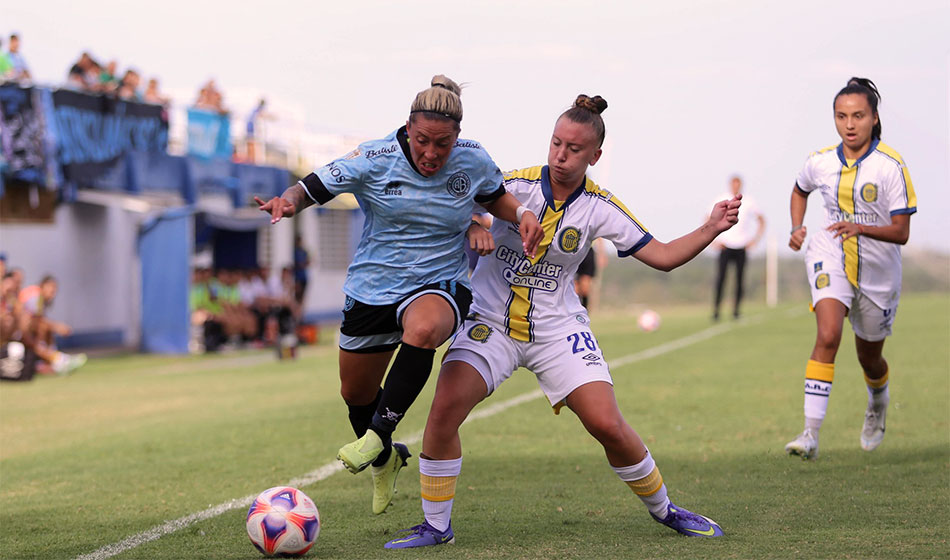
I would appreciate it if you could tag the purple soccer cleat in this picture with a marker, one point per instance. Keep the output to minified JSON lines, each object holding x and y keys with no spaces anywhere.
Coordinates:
{"x":689,"y":523}
{"x":422,"y":535}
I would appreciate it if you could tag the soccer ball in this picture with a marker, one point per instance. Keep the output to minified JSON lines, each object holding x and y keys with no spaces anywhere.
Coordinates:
{"x":649,"y":320}
{"x":283,"y":521}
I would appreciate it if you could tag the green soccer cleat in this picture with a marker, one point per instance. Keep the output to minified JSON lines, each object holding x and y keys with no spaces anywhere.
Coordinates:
{"x":384,"y":478}
{"x":359,"y":454}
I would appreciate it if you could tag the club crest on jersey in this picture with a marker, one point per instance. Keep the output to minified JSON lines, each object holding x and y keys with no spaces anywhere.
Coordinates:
{"x":480,"y":332}
{"x":818,"y":266}
{"x":458,"y":184}
{"x":570,"y":239}
{"x":869,"y":192}
{"x":822,"y":280}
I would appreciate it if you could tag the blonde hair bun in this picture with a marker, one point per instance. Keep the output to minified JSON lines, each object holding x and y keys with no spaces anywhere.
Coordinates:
{"x":441,"y":99}
{"x":445,"y":82}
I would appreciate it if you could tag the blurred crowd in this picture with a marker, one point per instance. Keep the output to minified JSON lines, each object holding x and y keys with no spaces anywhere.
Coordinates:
{"x":235,"y":308}
{"x":27,"y":333}
{"x":91,"y":75}
{"x":87,"y":74}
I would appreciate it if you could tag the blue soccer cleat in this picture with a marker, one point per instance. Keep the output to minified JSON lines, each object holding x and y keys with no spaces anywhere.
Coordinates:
{"x":689,"y":523}
{"x":422,"y":535}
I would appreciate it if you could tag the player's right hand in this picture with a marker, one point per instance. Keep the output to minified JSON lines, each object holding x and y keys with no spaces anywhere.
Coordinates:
{"x":277,"y":207}
{"x":797,"y":238}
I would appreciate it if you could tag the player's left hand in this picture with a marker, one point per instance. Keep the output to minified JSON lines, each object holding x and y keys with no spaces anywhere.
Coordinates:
{"x":725,"y":214}
{"x":531,"y":233}
{"x":845,"y":230}
{"x":480,"y":239}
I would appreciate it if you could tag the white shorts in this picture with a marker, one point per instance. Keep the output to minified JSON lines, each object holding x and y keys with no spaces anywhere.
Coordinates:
{"x":561,"y":365}
{"x":869,"y":321}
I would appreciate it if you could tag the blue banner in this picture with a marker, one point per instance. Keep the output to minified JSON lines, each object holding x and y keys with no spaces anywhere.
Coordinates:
{"x":209,"y":134}
{"x":93,"y":131}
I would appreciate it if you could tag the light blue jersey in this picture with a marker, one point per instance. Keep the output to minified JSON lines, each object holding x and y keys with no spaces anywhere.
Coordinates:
{"x":415,"y":226}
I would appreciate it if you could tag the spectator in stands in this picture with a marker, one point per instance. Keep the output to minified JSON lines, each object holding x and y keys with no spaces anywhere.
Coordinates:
{"x":252,"y":124}
{"x":6,"y":66}
{"x":205,"y":311}
{"x":268,"y":303}
{"x":129,"y":86}
{"x":36,"y":301}
{"x":152,"y":95}
{"x":210,"y":99}
{"x":84,"y":74}
{"x":17,"y":274}
{"x":301,"y":264}
{"x":21,"y":72}
{"x":216,"y":305}
{"x":108,"y":77}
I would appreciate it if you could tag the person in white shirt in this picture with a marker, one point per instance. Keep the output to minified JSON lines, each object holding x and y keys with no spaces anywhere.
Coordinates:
{"x":854,"y":262}
{"x":734,"y":244}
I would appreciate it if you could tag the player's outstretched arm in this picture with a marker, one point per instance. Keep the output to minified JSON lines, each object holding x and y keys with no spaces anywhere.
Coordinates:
{"x":287,"y":205}
{"x":667,"y":256}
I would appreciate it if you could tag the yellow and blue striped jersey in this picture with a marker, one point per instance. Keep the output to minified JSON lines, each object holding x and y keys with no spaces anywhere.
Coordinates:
{"x":868,"y":191}
{"x":534,"y":298}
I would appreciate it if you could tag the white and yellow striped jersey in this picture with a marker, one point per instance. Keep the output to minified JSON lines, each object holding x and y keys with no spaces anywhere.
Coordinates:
{"x":534,"y":298}
{"x":867,"y":191}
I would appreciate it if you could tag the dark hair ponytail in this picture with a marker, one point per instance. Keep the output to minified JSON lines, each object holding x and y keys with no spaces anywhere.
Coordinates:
{"x":587,"y":110}
{"x":865,"y":87}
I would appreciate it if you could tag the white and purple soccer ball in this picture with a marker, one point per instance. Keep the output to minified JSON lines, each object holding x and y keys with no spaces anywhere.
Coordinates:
{"x":283,"y":521}
{"x":649,"y":320}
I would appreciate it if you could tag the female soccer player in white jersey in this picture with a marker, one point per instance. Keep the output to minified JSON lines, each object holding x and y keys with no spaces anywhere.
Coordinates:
{"x":408,"y":282}
{"x":526,"y":313}
{"x":854,"y":263}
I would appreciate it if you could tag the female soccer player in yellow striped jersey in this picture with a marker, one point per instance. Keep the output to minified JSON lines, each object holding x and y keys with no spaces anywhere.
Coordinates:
{"x":526,"y":313}
{"x":854,"y":263}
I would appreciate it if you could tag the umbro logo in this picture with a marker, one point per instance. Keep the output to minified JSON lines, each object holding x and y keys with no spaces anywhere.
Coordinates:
{"x":392,"y":189}
{"x":591,"y":357}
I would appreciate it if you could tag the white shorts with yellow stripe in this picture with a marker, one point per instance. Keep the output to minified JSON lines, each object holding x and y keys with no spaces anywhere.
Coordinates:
{"x":868,"y":320}
{"x":561,"y":365}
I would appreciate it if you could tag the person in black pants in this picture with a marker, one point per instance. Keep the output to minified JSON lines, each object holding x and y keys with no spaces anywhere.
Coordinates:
{"x":734,"y":243}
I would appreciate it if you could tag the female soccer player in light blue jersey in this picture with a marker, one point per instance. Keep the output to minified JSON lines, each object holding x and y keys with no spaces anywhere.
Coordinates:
{"x":854,"y":263}
{"x":527,"y":314}
{"x":408,"y":282}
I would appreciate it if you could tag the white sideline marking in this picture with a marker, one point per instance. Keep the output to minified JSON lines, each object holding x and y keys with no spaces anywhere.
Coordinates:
{"x":328,"y":470}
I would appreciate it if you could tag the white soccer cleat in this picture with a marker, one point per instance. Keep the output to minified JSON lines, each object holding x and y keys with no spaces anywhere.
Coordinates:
{"x":872,"y":434}
{"x":805,"y":445}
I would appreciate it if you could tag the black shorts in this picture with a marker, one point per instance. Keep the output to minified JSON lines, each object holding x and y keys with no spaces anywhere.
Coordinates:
{"x":588,"y":266}
{"x":378,"y":328}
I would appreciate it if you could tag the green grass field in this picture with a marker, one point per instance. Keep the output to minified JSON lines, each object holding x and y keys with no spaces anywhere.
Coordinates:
{"x":130,"y":443}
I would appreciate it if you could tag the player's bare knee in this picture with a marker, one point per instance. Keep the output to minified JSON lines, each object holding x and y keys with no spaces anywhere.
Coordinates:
{"x":424,"y":335}
{"x":356,"y":396}
{"x":610,"y":432}
{"x":828,"y":340}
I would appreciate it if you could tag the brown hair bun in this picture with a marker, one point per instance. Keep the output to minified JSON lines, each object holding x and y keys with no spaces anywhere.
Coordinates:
{"x":596,"y":104}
